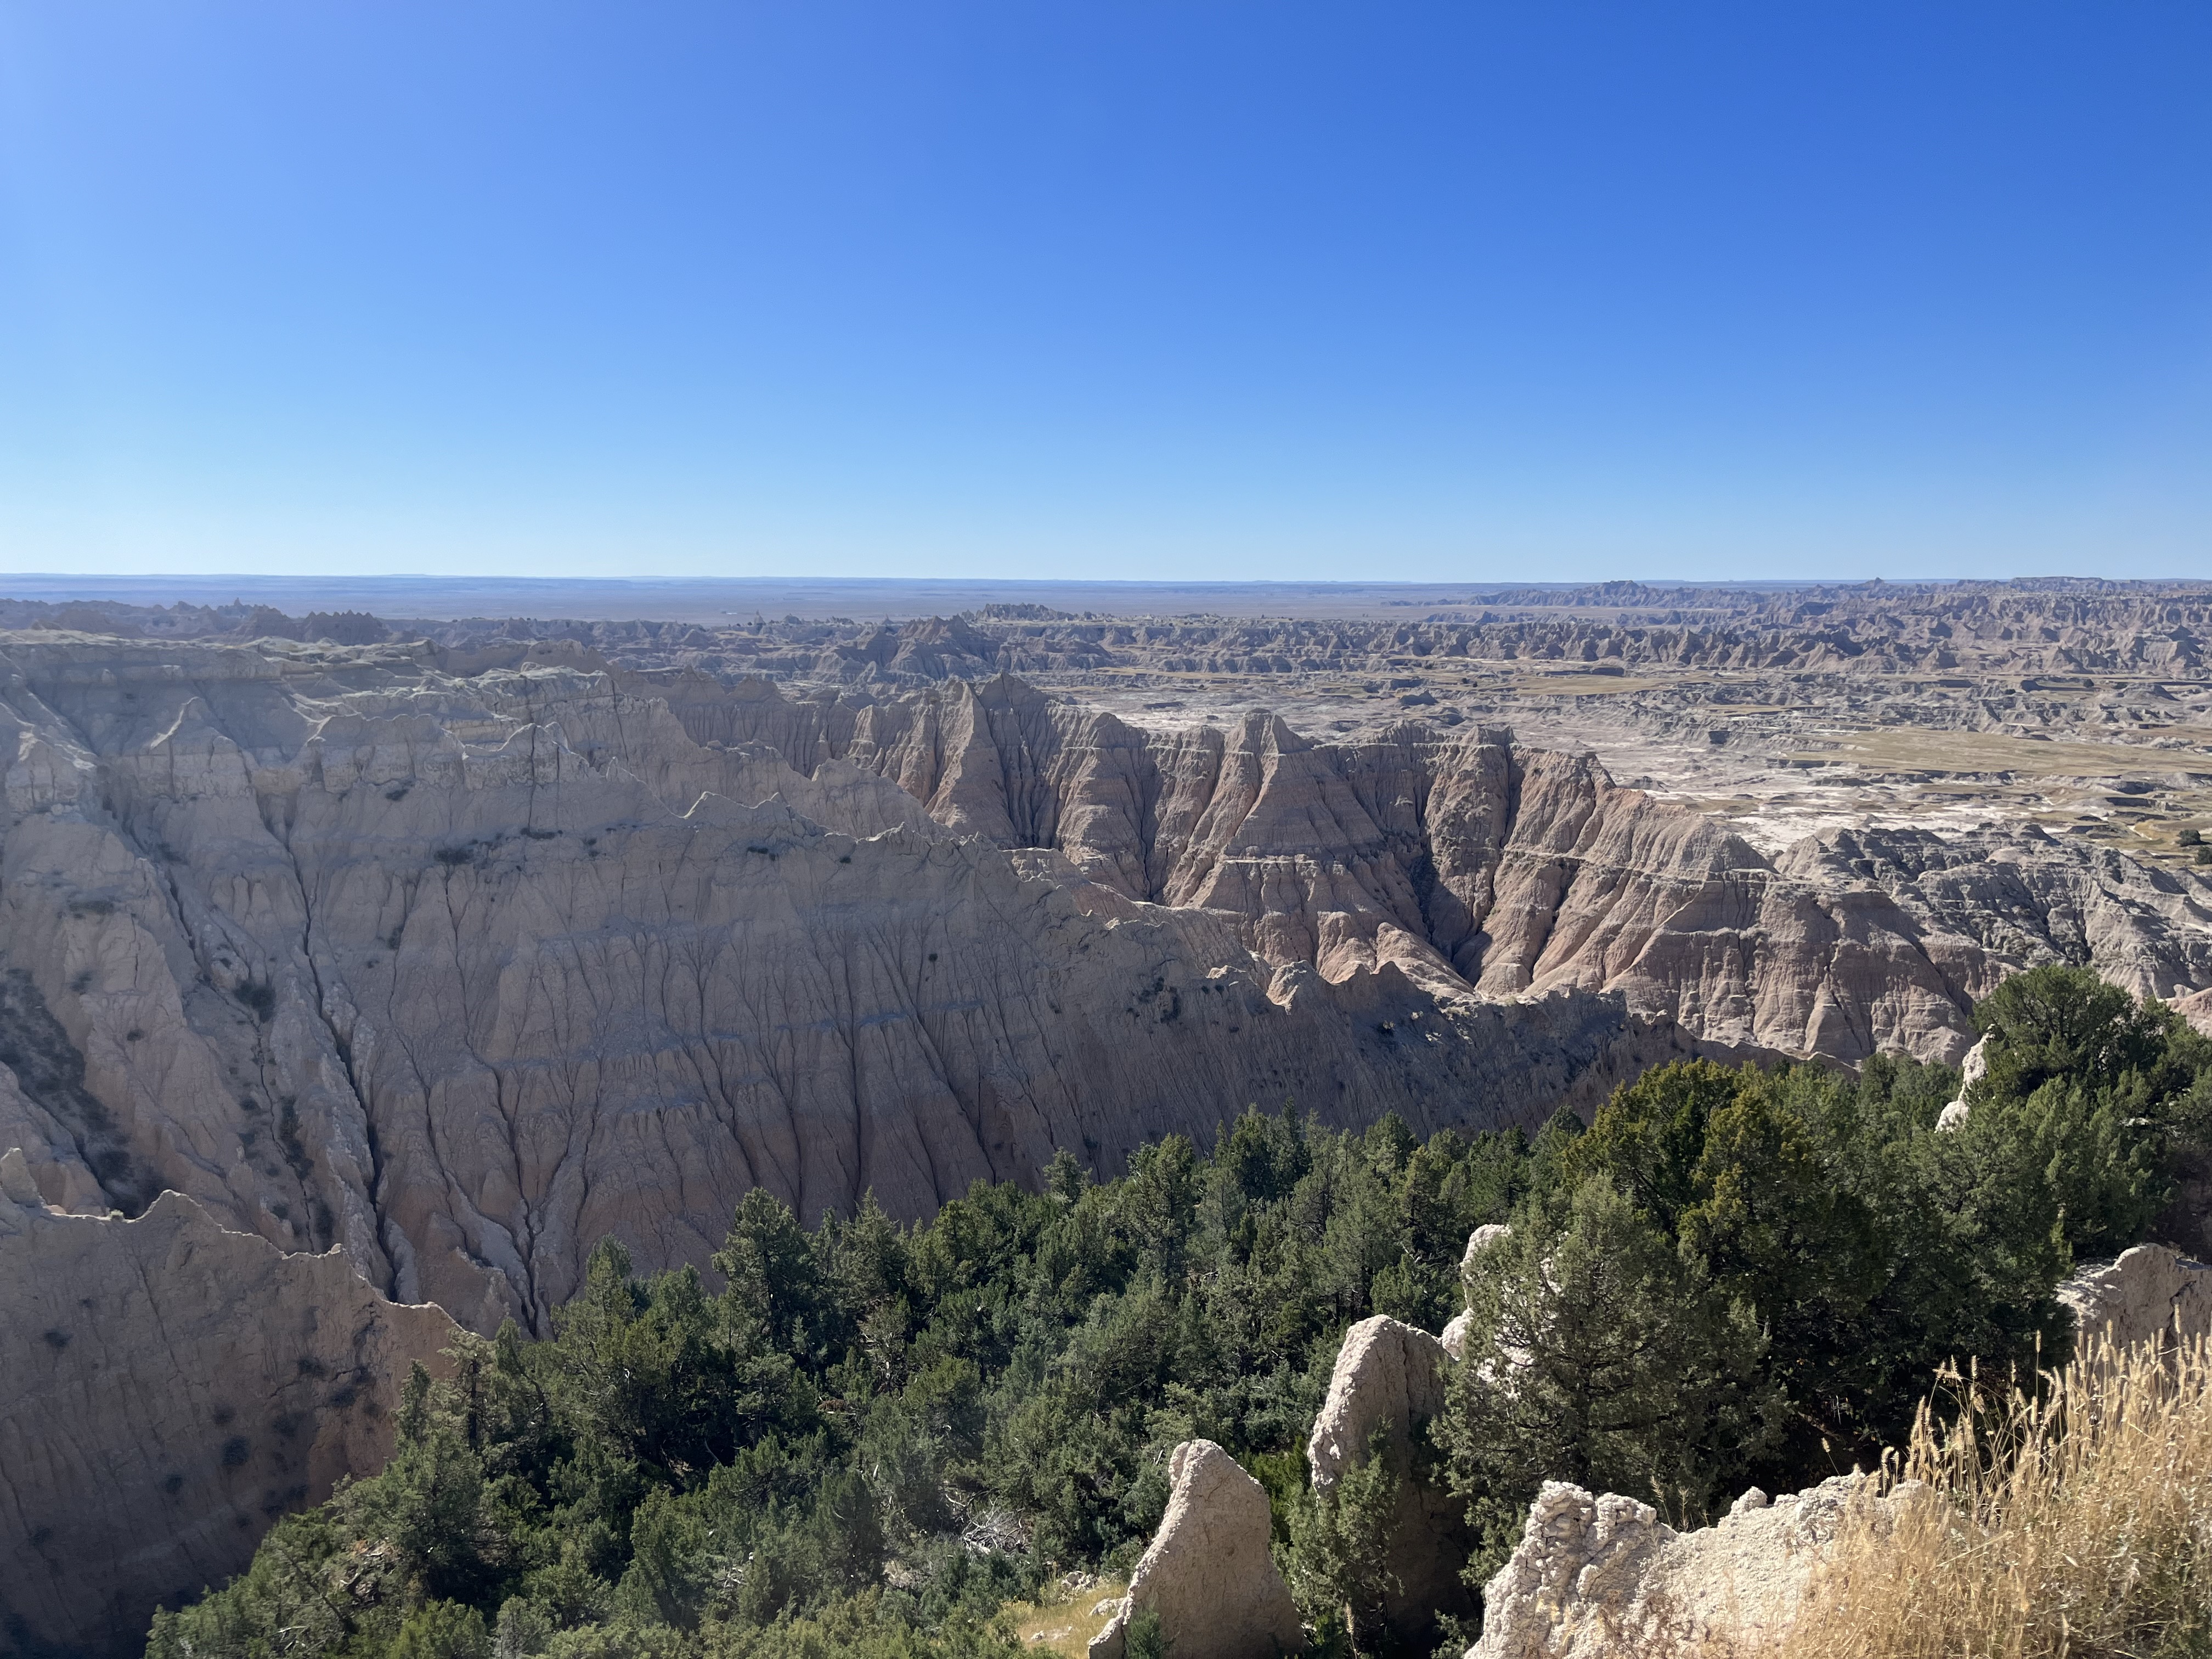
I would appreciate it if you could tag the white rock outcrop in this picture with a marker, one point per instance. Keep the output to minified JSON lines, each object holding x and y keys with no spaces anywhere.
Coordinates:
{"x":1605,"y":1579}
{"x":1478,"y":1241}
{"x":168,"y":1388}
{"x":1972,"y":1070}
{"x":1387,"y":1371}
{"x":1209,"y":1574}
{"x":2149,"y":1293}
{"x":1390,"y":1373}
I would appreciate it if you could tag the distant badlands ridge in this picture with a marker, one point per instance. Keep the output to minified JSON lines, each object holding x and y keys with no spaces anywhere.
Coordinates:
{"x":463,"y":957}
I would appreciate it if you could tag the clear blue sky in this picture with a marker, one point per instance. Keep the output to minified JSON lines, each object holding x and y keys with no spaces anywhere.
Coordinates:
{"x":1543,"y":289}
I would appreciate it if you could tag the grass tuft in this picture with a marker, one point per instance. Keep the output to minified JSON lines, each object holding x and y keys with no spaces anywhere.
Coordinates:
{"x":2074,"y":1524}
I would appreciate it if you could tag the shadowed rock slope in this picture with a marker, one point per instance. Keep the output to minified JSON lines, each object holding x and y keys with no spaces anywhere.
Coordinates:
{"x":170,"y":1388}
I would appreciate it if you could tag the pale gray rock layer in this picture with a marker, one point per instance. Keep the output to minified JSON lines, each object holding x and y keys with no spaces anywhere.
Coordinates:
{"x":466,"y":974}
{"x":2150,"y":1293}
{"x":167,"y":1387}
{"x":1603,"y":1577}
{"x":1209,"y":1573}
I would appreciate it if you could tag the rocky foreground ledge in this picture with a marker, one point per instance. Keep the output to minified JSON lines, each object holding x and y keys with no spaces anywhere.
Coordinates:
{"x":1594,"y":1575}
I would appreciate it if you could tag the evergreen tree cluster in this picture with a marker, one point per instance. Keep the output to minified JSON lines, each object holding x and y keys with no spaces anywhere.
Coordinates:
{"x":862,"y":1438}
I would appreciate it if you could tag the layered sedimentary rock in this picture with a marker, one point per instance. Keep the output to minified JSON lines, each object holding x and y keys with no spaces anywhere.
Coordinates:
{"x":1870,"y":629}
{"x":1389,"y":1380}
{"x":1605,"y":1579}
{"x":467,"y":970}
{"x":167,"y":1387}
{"x":466,"y":974}
{"x":1208,"y":1574}
{"x":1475,"y":863}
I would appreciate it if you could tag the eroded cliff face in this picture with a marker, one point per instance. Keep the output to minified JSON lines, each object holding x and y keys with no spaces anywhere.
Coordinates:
{"x":171,"y":1387}
{"x":466,"y":974}
{"x":1474,"y":863}
{"x":468,"y":971}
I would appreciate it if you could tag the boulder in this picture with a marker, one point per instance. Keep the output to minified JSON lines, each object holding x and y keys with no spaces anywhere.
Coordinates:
{"x":1209,"y":1573}
{"x":1605,"y":1579}
{"x":1387,"y":1371}
{"x":1455,"y":1335}
{"x":2144,"y":1296}
{"x":1480,"y":1240}
{"x":1390,"y":1374}
{"x":168,"y":1389}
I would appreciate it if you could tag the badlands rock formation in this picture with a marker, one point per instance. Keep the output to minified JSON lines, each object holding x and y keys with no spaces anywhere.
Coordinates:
{"x":1390,"y":1375}
{"x":1475,"y":863}
{"x":1208,"y":1573}
{"x":2033,"y":628}
{"x":170,"y":1388}
{"x":466,"y":974}
{"x":1605,"y":1579}
{"x":466,"y":954}
{"x":1478,"y":1241}
{"x":2150,"y":1293}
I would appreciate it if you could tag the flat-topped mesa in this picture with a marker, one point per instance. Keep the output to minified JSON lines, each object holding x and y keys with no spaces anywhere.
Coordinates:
{"x":171,"y":1387}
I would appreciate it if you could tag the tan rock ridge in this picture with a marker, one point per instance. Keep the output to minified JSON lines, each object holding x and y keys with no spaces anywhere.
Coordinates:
{"x":168,"y":1388}
{"x":1477,"y":864}
{"x":467,"y":973}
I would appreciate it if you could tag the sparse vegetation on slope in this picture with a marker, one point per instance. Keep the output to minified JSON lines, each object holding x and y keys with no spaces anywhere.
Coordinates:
{"x":1742,"y":1278}
{"x":874,"y":1432}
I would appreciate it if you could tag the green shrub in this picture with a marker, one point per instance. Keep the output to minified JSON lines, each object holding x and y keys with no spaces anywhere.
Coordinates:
{"x":872,"y":1434}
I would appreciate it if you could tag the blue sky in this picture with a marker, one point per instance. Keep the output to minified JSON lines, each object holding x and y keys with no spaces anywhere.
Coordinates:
{"x":1204,"y":289}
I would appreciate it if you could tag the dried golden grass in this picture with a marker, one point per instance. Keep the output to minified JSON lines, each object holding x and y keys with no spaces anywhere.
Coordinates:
{"x":2074,"y":1526}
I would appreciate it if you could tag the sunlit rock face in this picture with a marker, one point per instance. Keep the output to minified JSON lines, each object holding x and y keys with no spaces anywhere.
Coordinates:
{"x":466,"y":973}
{"x":1475,"y":863}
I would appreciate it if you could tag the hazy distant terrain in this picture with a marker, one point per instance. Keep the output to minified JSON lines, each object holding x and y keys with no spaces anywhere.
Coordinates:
{"x":444,"y":597}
